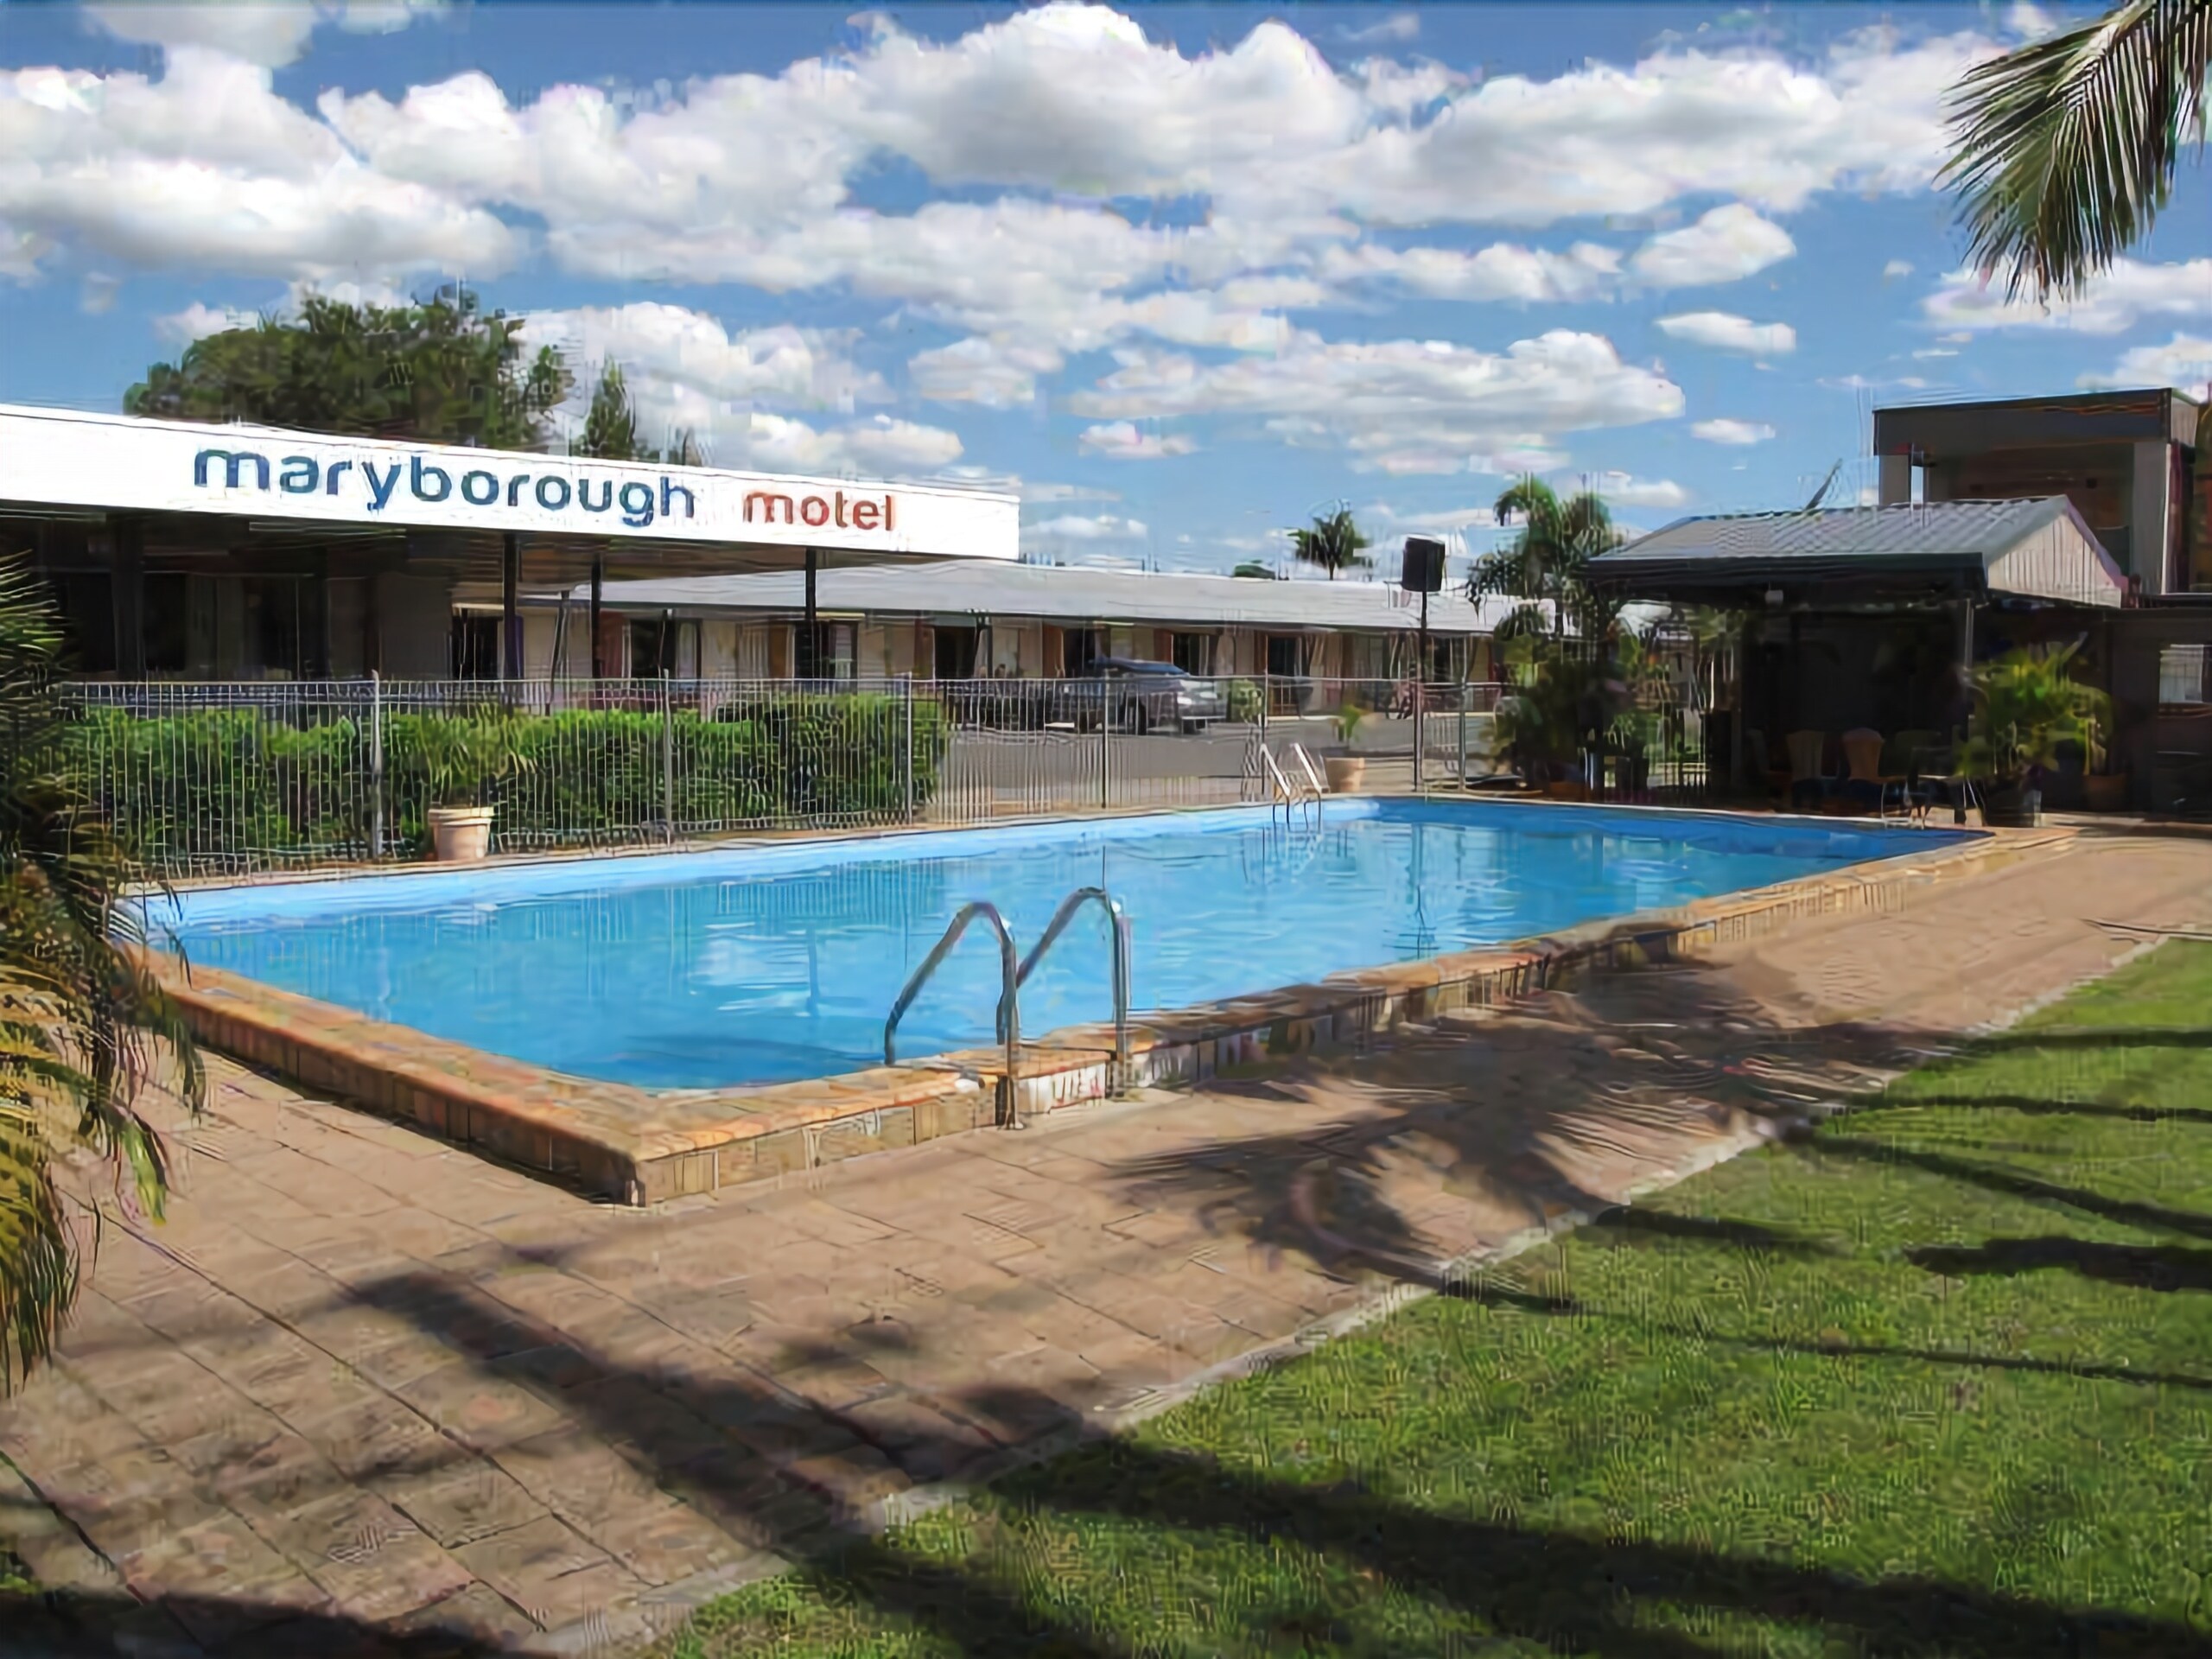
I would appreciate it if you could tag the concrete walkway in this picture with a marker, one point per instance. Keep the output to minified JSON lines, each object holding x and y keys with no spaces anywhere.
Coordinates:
{"x":365,"y":1393}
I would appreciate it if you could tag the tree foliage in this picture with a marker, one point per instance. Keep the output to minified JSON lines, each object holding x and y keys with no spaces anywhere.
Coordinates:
{"x":1547,"y":564}
{"x":610,"y":428}
{"x":1333,"y":542}
{"x":2064,"y":151}
{"x":444,"y":372}
{"x":80,"y":1018}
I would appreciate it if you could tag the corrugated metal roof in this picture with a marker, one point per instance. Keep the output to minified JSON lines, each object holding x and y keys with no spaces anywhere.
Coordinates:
{"x":1942,"y":530}
{"x":2037,"y":548}
{"x":1065,"y":594}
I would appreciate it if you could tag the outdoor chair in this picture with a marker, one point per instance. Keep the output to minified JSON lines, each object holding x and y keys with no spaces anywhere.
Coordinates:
{"x":1868,"y":783}
{"x":1807,"y":777}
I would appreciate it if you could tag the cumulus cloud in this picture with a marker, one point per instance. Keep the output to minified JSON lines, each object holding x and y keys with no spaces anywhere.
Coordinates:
{"x":1623,"y":491}
{"x":208,"y":166}
{"x":2183,"y":362}
{"x":1125,"y":441}
{"x":1501,"y":271}
{"x":1726,"y":332}
{"x":198,"y":321}
{"x":271,"y":34}
{"x":1400,"y":406}
{"x":1732,"y":432}
{"x":2126,"y":293}
{"x":662,"y":345}
{"x":1725,"y":245}
{"x":1897,"y":267}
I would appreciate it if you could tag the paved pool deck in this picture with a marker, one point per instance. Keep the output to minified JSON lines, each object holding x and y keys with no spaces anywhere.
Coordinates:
{"x":364,"y":1392}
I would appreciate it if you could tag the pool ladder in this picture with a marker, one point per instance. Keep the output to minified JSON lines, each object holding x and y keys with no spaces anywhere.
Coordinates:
{"x":1299,"y":786}
{"x":1014,"y":972}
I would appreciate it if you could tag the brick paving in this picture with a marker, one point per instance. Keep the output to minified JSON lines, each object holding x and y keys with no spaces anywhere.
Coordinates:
{"x":365,"y":1392}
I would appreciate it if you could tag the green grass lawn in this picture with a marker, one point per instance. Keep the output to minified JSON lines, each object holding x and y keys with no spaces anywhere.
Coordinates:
{"x":1937,"y":1380}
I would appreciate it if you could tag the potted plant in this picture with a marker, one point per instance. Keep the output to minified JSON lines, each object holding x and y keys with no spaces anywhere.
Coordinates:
{"x":2026,"y":704}
{"x":465,"y":759}
{"x":2104,"y":784}
{"x":1347,"y":770}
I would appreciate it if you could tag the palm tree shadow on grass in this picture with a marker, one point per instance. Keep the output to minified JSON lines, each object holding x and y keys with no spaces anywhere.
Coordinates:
{"x":2160,"y":1267}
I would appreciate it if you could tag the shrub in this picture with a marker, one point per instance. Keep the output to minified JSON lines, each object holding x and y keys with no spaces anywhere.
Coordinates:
{"x":237,"y":786}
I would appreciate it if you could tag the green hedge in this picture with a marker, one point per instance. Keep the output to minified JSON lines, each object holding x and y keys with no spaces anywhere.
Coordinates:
{"x":235,"y":786}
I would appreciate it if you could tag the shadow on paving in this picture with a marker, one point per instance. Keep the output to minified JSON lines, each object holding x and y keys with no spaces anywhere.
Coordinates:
{"x":1517,"y":1104}
{"x":1528,"y":1097}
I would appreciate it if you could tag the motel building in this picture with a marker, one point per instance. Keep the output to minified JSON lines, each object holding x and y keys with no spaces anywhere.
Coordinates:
{"x":1027,"y":622}
{"x":227,"y":553}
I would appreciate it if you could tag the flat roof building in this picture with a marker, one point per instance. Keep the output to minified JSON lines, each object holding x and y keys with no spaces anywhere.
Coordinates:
{"x":958,"y":621}
{"x":247,"y":552}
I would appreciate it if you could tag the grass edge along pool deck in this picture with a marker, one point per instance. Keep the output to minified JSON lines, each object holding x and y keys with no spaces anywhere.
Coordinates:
{"x":641,"y":1147}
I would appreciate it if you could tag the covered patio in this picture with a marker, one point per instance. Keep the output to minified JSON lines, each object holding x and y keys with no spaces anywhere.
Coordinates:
{"x":1864,"y":621}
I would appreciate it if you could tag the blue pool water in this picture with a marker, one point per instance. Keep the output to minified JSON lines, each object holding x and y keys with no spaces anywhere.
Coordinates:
{"x":765,"y":964}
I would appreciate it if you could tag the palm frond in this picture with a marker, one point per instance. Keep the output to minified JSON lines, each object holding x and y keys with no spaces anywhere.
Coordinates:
{"x":2064,"y":150}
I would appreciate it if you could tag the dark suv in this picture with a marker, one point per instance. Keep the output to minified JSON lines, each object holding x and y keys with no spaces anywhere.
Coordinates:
{"x":1143,"y":696}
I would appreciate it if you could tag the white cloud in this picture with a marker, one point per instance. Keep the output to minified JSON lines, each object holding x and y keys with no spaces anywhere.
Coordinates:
{"x":2183,"y":362}
{"x":1400,"y":406}
{"x":735,"y":437}
{"x":1398,"y":28}
{"x":2112,"y":303}
{"x":1623,"y":491}
{"x":1125,"y":441}
{"x":198,"y":321}
{"x":662,"y":345}
{"x":996,"y":373}
{"x":1897,"y":267}
{"x":1725,"y":332}
{"x":1725,"y":245}
{"x":206,"y":165}
{"x":1088,"y":527}
{"x":270,"y":35}
{"x":1501,"y":271}
{"x":1732,"y":432}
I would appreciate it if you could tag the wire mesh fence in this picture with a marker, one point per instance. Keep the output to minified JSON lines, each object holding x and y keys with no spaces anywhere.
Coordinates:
{"x":230,"y":779}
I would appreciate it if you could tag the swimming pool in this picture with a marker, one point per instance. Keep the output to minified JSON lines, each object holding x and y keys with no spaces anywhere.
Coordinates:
{"x":768,"y":963}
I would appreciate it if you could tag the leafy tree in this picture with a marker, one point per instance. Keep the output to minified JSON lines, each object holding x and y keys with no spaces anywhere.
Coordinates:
{"x":80,"y":1018}
{"x":1547,"y":563}
{"x":1333,"y":542}
{"x":2064,"y":150}
{"x":443,"y":370}
{"x":1253,"y":570}
{"x":610,"y":428}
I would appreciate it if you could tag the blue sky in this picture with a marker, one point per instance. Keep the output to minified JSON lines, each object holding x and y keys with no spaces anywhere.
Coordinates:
{"x":1188,"y":273}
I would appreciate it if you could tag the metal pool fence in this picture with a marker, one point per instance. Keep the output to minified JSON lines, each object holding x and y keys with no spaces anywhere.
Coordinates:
{"x":227,"y":778}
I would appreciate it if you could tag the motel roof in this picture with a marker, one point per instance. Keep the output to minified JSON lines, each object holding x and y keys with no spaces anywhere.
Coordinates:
{"x":2034,"y":549}
{"x":198,"y":486}
{"x":1072,"y":595}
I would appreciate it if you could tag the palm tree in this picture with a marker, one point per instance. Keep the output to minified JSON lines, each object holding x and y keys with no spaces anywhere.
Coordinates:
{"x":1334,"y":543}
{"x":1547,"y":562}
{"x":80,"y":1018}
{"x":2065,"y":149}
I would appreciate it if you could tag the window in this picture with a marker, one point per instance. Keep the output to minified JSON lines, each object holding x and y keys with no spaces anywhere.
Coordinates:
{"x":663,"y":646}
{"x":955,"y":653}
{"x":169,"y":623}
{"x":1193,"y":653}
{"x":475,"y":647}
{"x":2181,"y":675}
{"x":1079,"y":649}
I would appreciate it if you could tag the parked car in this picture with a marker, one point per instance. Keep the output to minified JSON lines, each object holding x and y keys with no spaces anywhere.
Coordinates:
{"x":1142,"y":696}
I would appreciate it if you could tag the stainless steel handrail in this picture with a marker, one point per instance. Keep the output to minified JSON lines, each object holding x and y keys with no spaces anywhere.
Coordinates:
{"x":1009,"y":1022}
{"x":1120,"y":923}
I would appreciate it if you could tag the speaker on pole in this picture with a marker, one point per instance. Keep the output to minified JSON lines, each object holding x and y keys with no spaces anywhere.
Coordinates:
{"x":1422,"y":572}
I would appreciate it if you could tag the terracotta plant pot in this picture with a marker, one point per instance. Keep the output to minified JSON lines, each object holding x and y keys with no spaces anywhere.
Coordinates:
{"x":2105,"y":793}
{"x":459,"y":835}
{"x":1345,"y":772}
